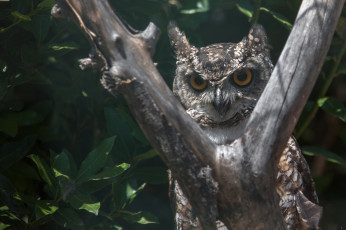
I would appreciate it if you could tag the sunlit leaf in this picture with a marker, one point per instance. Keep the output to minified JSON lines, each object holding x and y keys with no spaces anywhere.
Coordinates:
{"x":132,"y":194}
{"x":201,"y":6}
{"x":46,"y":173}
{"x":96,"y":159}
{"x":62,"y":165}
{"x":110,"y":172}
{"x":333,"y":106}
{"x":245,"y":7}
{"x":138,"y":217}
{"x":282,"y":19}
{"x":84,"y":201}
{"x":12,"y":152}
{"x":330,"y":156}
{"x":44,"y":208}
{"x":59,"y":49}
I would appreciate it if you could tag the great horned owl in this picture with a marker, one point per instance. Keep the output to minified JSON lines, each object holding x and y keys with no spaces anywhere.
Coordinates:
{"x":219,"y":86}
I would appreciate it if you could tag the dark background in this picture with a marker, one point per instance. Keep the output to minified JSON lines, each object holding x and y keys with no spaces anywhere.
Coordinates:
{"x":53,"y":115}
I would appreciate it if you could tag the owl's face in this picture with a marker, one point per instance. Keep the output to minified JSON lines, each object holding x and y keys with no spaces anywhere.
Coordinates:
{"x":220,"y":84}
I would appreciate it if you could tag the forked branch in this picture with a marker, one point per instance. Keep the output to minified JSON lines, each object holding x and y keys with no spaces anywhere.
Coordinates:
{"x":245,"y":197}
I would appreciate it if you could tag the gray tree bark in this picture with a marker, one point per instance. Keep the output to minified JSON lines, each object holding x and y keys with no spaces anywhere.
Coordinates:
{"x":236,"y":183}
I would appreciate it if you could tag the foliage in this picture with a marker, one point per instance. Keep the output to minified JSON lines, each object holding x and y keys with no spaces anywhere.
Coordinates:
{"x":72,"y":156}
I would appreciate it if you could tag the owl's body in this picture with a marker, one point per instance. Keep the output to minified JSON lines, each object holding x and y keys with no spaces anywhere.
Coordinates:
{"x":219,"y":86}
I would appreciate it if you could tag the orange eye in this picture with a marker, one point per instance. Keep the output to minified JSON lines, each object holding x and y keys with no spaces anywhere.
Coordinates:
{"x":242,"y":77}
{"x":197,"y":82}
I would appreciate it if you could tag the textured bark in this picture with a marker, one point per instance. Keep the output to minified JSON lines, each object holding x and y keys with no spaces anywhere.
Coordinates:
{"x":244,"y":172}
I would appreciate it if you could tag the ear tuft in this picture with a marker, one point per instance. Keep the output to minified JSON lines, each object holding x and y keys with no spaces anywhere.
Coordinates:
{"x":178,"y":40}
{"x":257,"y":38}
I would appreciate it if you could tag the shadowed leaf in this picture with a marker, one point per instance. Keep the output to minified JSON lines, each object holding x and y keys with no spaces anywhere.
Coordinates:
{"x":333,"y":106}
{"x":330,"y":156}
{"x":12,"y":152}
{"x":96,"y":159}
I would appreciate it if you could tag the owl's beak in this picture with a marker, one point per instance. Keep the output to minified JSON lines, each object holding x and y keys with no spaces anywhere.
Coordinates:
{"x":220,"y":104}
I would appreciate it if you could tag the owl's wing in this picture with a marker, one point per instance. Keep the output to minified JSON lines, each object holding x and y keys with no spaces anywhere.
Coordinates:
{"x":298,"y":198}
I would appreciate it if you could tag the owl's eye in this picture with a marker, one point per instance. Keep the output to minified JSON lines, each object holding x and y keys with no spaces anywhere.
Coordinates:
{"x":242,"y":77}
{"x":197,"y":82}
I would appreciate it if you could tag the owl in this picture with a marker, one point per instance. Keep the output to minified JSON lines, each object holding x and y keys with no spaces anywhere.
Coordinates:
{"x":219,"y":85}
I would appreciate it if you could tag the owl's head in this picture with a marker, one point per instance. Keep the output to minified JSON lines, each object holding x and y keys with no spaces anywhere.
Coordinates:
{"x":220,"y":84}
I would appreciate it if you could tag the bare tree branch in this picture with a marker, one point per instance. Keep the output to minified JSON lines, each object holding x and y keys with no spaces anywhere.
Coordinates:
{"x":292,"y":80}
{"x":244,"y":172}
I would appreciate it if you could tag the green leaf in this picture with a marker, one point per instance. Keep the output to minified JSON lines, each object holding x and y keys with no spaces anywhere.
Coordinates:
{"x":22,"y":175}
{"x":151,"y":175}
{"x":40,"y":26}
{"x":12,"y":152}
{"x":119,"y":194}
{"x":341,"y":69}
{"x":132,"y":194}
{"x":118,"y":124}
{"x":92,"y":186}
{"x":3,"y":226}
{"x":138,"y":217}
{"x":46,"y":173}
{"x":68,"y":218}
{"x":111,"y":172}
{"x":201,"y":6}
{"x":44,"y":208}
{"x":145,"y":156}
{"x":8,"y":127}
{"x":124,"y":193}
{"x":84,"y":201}
{"x":282,"y":19}
{"x":330,"y":156}
{"x":245,"y":7}
{"x":341,"y":28}
{"x":21,"y":16}
{"x":333,"y":106}
{"x":59,"y":49}
{"x":24,"y":118}
{"x":46,"y":4}
{"x":96,"y":159}
{"x":29,"y":53}
{"x":62,"y":164}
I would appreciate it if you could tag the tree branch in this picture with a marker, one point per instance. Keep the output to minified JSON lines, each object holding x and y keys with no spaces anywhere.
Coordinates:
{"x":245,"y":171}
{"x":291,"y":82}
